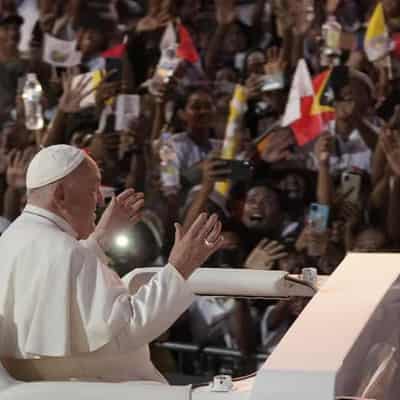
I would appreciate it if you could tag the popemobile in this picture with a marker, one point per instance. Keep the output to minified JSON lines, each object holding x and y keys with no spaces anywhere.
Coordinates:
{"x":343,"y":345}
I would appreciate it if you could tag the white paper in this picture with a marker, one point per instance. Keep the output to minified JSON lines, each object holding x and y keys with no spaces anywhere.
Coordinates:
{"x":60,"y":53}
{"x":127,"y":109}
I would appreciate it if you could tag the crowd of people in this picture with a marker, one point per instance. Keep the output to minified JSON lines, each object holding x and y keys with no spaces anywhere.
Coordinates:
{"x":172,"y":148}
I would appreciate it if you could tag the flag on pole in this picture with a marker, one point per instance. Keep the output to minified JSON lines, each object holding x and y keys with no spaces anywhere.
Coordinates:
{"x":186,"y":49}
{"x":377,"y":41}
{"x":169,"y":39}
{"x":179,"y":38}
{"x":238,"y":107}
{"x":310,"y":106}
{"x":305,"y":120}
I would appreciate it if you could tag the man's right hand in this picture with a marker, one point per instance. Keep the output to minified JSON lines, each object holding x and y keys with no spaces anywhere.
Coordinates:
{"x":194,"y":247}
{"x":215,"y":170}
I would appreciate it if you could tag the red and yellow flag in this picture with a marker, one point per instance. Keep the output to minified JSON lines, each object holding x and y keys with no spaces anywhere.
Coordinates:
{"x":308,"y":109}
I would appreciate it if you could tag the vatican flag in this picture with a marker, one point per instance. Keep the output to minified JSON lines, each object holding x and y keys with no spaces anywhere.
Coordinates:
{"x":238,"y":108}
{"x":377,"y":42}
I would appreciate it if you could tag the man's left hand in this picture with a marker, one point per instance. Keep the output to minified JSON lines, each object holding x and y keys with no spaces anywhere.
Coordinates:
{"x":122,"y":212}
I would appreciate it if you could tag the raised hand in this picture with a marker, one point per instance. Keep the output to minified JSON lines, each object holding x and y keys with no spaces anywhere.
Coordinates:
{"x":73,"y":95}
{"x":158,"y":16}
{"x":122,"y":212}
{"x":265,"y":254}
{"x":214,"y":170}
{"x":303,"y":15}
{"x":193,"y":248}
{"x":18,"y":162}
{"x":275,"y":61}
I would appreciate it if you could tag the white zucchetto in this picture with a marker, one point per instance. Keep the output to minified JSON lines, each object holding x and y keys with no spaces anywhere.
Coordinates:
{"x":52,"y":164}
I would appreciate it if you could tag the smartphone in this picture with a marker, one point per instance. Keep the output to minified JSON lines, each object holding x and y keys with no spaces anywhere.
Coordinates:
{"x":114,"y":65}
{"x":318,"y":217}
{"x":351,"y":184}
{"x":240,"y":170}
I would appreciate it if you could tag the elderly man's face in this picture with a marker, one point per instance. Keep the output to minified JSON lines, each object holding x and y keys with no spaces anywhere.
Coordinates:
{"x":82,"y":197}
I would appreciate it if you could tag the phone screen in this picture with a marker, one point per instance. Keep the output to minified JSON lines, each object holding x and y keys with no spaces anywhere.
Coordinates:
{"x":114,"y":66}
{"x":318,"y":217}
{"x":351,"y":186}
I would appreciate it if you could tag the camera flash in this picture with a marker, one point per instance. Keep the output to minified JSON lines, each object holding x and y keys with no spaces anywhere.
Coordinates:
{"x":122,"y":241}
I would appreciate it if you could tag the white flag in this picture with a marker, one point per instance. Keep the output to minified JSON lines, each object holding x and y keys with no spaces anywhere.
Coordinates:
{"x":169,"y":39}
{"x":60,"y":53}
{"x":302,"y":86}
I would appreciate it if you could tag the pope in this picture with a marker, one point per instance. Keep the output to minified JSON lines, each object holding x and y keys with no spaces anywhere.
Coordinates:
{"x":64,"y":314}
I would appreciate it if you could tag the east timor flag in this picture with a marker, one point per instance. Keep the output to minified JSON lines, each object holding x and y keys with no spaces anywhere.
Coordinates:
{"x":324,"y":99}
{"x":309,"y":106}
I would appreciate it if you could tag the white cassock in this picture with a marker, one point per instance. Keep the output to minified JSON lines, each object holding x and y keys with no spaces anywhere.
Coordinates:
{"x":65,"y":314}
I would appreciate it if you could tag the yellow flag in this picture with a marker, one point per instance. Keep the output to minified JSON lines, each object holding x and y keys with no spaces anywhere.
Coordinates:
{"x":377,"y":40}
{"x":238,"y":107}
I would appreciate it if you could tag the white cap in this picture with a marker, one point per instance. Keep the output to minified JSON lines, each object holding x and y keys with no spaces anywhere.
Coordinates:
{"x":52,"y":164}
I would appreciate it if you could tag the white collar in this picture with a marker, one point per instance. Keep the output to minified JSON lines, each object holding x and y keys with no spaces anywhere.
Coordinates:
{"x":54,"y":218}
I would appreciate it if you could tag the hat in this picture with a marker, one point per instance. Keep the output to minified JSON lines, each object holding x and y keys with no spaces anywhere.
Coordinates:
{"x":11,"y":19}
{"x":52,"y":164}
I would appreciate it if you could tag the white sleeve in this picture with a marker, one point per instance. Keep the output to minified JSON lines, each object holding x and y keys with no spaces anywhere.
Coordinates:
{"x":91,"y":244}
{"x":106,"y":309}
